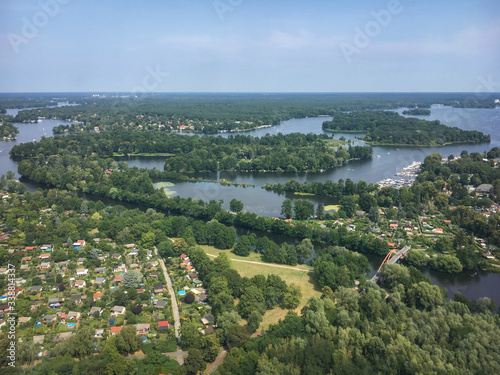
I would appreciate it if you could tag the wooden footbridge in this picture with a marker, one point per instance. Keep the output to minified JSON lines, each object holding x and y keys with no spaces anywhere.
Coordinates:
{"x":391,"y":260}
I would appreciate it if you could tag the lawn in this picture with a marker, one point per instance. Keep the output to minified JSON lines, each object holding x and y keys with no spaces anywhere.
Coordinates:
{"x":303,"y":279}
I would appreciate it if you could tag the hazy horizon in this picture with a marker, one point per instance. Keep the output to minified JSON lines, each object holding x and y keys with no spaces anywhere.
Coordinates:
{"x":241,"y":46}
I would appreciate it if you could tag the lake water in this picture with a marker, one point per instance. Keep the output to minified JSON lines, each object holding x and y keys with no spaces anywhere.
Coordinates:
{"x":28,"y":132}
{"x":472,"y":284}
{"x":391,"y":161}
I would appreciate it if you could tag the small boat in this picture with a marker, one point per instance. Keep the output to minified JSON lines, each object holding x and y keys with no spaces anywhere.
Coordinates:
{"x":378,"y":156}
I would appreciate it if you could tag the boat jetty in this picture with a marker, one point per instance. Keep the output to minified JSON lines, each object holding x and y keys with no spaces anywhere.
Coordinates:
{"x":406,"y":177}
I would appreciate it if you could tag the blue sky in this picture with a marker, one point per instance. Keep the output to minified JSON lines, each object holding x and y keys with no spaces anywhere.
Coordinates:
{"x":249,"y":45}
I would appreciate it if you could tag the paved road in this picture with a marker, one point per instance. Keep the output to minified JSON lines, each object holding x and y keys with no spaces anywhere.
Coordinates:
{"x":175,"y":308}
{"x":178,"y":356}
{"x":264,"y":264}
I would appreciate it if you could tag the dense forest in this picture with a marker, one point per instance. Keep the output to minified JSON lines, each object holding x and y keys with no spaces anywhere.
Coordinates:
{"x":390,"y":128}
{"x":291,"y":152}
{"x":411,"y":331}
{"x":13,"y":100}
{"x":208,"y":113}
{"x":417,"y":112}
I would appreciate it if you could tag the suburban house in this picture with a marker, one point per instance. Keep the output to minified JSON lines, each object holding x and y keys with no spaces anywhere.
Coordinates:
{"x":63,"y":336}
{"x":208,"y":319}
{"x":97,"y":296}
{"x":47,"y":247}
{"x":118,"y":279}
{"x":117,"y":310}
{"x":100,"y":270}
{"x":161,"y":304}
{"x":80,"y":261}
{"x":82,"y":271}
{"x":44,"y":266}
{"x":484,"y":189}
{"x":47,"y":319}
{"x":76,"y":298}
{"x":163,"y":325}
{"x":99,"y":280}
{"x":35,"y":289}
{"x":98,"y":333}
{"x":115,"y":330}
{"x":202,"y":298}
{"x":142,"y":328}
{"x":119,"y":268}
{"x":95,"y":309}
{"x":80,"y":284}
{"x":79,"y":244}
{"x":73,"y":315}
{"x":158,"y":288}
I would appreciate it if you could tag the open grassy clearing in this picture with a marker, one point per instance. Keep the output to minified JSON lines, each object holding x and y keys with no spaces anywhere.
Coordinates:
{"x":254,"y":257}
{"x":296,"y":276}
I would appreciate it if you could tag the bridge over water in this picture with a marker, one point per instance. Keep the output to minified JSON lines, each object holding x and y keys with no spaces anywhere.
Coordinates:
{"x":391,"y":260}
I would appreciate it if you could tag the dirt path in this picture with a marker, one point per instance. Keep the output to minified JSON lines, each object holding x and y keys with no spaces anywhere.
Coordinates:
{"x":265,"y":264}
{"x":175,"y":308}
{"x":211,"y":367}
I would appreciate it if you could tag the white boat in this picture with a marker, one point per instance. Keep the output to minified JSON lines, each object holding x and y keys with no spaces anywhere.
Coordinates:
{"x":378,"y":156}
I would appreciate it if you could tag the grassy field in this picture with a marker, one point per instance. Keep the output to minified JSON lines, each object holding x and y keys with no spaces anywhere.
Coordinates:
{"x":332,"y":207}
{"x":295,"y":276}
